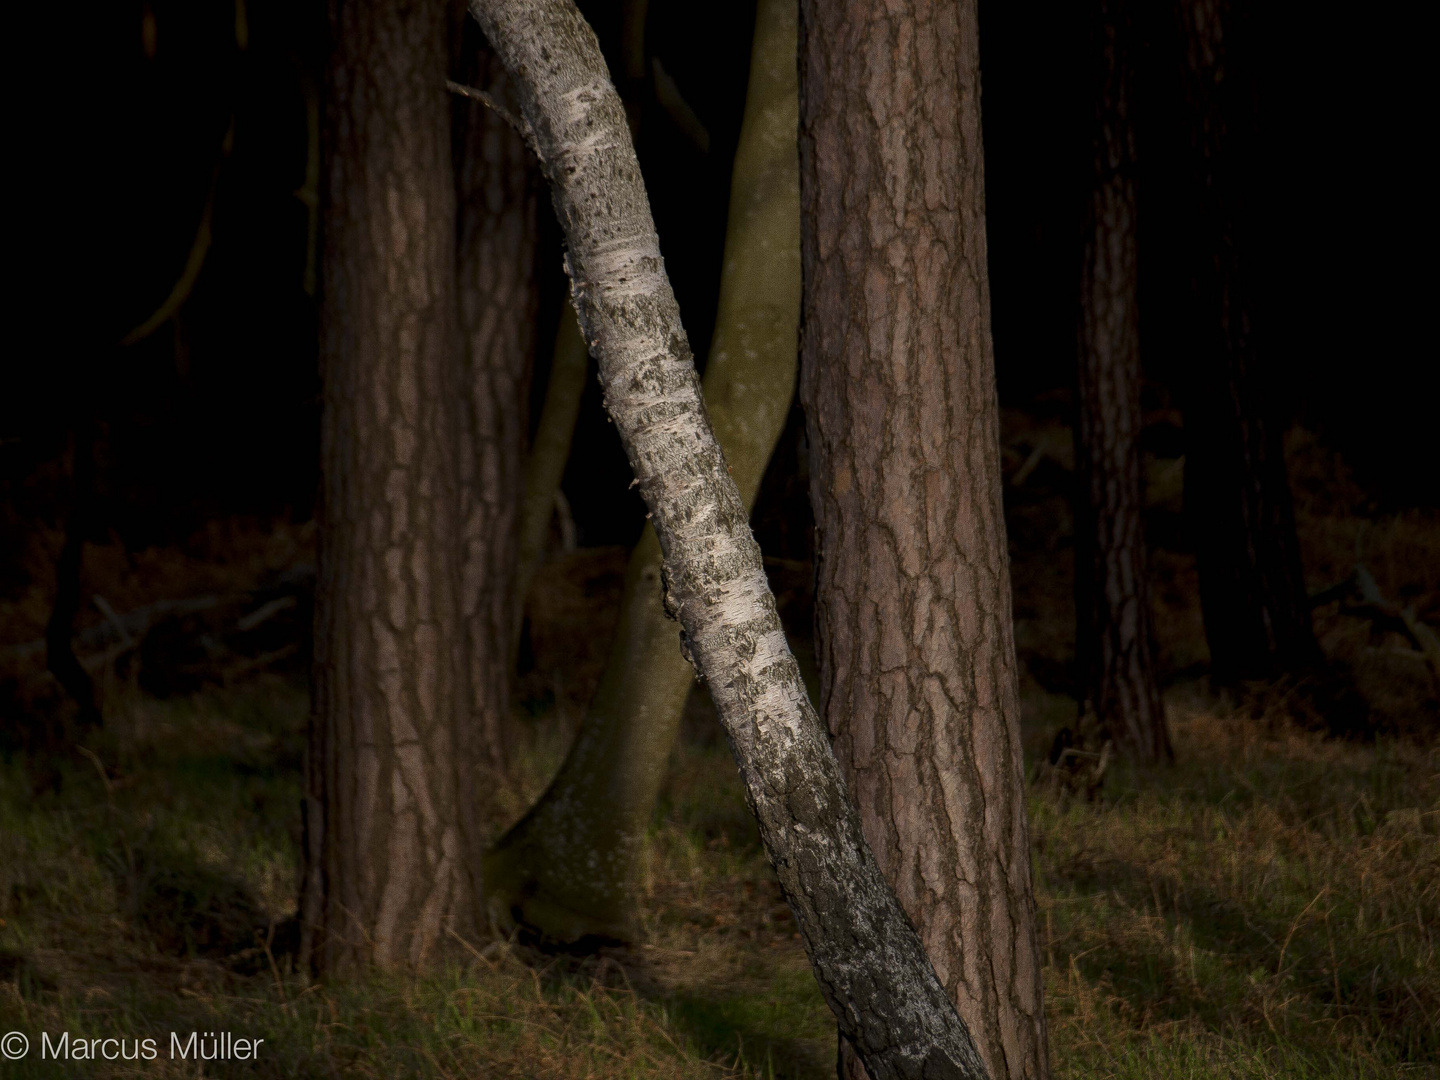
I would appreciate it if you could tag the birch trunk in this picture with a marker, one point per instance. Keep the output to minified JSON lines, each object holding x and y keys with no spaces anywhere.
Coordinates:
{"x":1114,"y":635}
{"x":913,"y":624}
{"x":567,"y":871}
{"x":867,"y":958}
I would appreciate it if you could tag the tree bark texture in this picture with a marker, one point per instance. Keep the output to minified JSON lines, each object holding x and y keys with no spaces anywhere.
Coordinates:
{"x":914,"y":633}
{"x":867,"y":958}
{"x":570,"y":359}
{"x":567,"y":871}
{"x":389,"y":827}
{"x":1252,"y":589}
{"x":1114,"y":634}
{"x":496,"y":189}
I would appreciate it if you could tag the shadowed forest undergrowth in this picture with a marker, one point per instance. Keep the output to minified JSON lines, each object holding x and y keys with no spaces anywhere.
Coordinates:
{"x":1267,"y":907}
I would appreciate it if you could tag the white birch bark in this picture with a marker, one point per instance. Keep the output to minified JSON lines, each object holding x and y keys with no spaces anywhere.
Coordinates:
{"x":867,"y":959}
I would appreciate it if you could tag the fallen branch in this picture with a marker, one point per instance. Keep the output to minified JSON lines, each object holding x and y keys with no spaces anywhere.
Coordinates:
{"x":133,"y":624}
{"x":1383,"y":614}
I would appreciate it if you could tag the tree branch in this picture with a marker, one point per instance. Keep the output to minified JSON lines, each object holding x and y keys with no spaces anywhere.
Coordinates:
{"x":194,"y":260}
{"x":476,"y":94}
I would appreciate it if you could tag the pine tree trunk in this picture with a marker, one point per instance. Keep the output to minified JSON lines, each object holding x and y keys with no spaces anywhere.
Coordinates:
{"x":390,"y":837}
{"x":567,"y":871}
{"x":1114,"y":635}
{"x":914,"y":632}
{"x":496,"y":188}
{"x":868,"y":961}
{"x":1237,"y":494}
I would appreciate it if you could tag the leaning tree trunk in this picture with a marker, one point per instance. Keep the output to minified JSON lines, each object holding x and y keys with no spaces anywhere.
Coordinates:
{"x":867,"y":959}
{"x":567,"y":871}
{"x":390,"y":841}
{"x":1252,"y":589}
{"x":1114,"y":635}
{"x":570,"y":359}
{"x":496,"y":192}
{"x":914,"y":634}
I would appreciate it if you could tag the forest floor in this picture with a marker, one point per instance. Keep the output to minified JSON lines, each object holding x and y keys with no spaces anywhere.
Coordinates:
{"x":1268,"y":906}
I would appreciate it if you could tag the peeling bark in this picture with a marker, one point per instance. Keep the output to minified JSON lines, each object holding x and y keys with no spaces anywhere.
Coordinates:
{"x":867,"y":958}
{"x":913,"y":624}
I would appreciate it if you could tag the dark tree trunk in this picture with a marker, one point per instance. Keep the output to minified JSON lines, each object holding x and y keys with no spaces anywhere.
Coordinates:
{"x":495,"y":264}
{"x":390,"y":832}
{"x":1114,"y":637}
{"x":60,"y":656}
{"x":1257,"y":617}
{"x":917,"y":660}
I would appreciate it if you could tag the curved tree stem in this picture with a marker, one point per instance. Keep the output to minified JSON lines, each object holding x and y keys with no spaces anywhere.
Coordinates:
{"x":194,"y":261}
{"x":549,"y":453}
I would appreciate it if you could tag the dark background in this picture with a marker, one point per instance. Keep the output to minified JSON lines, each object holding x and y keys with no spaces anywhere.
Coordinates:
{"x":215,"y":414}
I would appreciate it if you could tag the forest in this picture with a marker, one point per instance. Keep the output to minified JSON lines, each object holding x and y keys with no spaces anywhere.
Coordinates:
{"x":630,"y":539}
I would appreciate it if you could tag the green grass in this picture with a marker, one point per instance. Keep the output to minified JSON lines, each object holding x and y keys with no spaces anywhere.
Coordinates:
{"x":1267,"y":908}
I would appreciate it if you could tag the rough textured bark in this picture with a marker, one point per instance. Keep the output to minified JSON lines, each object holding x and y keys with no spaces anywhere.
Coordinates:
{"x":1252,"y":589}
{"x":867,"y":959}
{"x":914,"y":634}
{"x":567,"y":871}
{"x":571,"y":357}
{"x":1114,"y":635}
{"x":495,"y":266}
{"x":389,"y":836}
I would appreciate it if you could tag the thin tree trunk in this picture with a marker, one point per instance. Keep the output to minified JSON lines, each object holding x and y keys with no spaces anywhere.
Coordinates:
{"x":60,"y":658}
{"x":495,"y":265}
{"x":390,"y":836}
{"x":567,"y":871}
{"x":867,"y":958}
{"x":1114,"y":635}
{"x":545,"y":467}
{"x":1237,"y":494}
{"x":914,"y":634}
